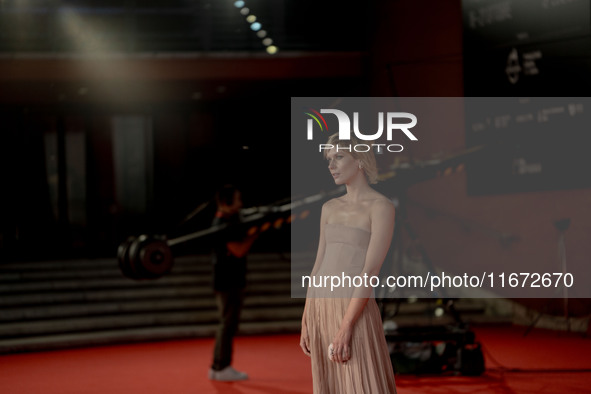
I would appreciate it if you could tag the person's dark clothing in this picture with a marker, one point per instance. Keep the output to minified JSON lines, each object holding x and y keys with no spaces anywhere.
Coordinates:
{"x":229,"y":281}
{"x":229,"y":306}
{"x":229,"y":271}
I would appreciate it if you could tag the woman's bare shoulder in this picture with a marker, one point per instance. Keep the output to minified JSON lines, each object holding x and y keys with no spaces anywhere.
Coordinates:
{"x":382,"y":203}
{"x":377,"y":197}
{"x":331,"y":204}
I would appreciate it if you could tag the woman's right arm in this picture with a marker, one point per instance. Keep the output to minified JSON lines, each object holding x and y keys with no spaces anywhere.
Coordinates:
{"x":304,"y":339}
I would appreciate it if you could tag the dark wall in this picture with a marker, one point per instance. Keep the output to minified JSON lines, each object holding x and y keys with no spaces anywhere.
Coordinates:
{"x":186,"y":148}
{"x":423,"y":55}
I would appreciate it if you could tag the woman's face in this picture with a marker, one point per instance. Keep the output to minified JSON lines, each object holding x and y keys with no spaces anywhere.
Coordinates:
{"x":342,"y":166}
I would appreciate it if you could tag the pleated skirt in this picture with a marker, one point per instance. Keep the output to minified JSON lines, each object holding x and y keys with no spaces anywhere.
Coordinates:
{"x":369,"y":371}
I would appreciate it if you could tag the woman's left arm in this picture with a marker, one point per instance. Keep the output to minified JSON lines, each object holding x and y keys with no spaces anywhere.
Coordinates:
{"x":382,"y":229}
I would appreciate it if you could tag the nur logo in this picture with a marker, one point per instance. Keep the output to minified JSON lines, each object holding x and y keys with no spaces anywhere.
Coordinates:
{"x":316,"y":117}
{"x":390,"y":118}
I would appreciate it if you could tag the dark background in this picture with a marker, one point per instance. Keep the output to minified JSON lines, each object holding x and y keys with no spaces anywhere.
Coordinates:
{"x":120,"y":118}
{"x":192,"y":85}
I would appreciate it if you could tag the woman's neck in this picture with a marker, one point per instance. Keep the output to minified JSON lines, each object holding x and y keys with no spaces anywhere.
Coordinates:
{"x":357,"y":189}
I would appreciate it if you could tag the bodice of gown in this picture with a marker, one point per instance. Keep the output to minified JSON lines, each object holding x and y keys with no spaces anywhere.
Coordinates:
{"x":345,"y":250}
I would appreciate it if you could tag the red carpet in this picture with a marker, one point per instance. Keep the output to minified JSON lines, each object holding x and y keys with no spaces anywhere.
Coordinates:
{"x":542,"y":362}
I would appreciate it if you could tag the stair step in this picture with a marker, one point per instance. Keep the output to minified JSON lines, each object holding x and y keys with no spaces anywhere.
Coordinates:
{"x":129,"y":293}
{"x":103,"y":308}
{"x":93,"y":282}
{"x":151,"y":319}
{"x":256,"y":262}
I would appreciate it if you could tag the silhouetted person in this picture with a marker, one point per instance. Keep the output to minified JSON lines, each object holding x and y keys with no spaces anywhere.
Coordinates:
{"x":229,"y":280}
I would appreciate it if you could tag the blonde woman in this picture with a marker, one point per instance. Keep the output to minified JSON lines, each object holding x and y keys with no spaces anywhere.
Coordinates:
{"x":343,"y":335}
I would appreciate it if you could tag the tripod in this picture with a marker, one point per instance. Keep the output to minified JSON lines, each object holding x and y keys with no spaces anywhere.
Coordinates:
{"x":561,"y":225}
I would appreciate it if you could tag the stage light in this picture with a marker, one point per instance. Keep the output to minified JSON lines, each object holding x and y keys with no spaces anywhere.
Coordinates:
{"x":439,"y":311}
{"x":257,"y":27}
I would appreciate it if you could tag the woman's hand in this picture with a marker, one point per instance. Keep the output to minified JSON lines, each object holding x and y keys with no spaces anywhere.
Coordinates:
{"x":305,"y":339}
{"x":341,"y":345}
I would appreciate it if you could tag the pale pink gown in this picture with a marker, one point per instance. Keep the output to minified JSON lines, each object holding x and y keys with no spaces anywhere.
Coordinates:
{"x":369,"y":370}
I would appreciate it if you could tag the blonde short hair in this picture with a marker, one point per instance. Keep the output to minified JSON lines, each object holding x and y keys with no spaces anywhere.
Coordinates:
{"x":367,"y":159}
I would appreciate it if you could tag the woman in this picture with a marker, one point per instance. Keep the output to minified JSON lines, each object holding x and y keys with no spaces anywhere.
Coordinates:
{"x":344,"y":336}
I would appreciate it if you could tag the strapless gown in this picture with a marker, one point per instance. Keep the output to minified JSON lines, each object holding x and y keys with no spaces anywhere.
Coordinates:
{"x":369,"y":370}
